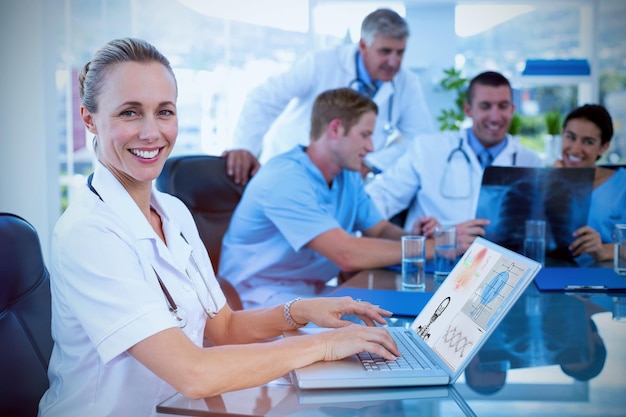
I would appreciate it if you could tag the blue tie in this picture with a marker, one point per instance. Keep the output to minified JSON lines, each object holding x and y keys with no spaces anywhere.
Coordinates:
{"x":485,"y":158}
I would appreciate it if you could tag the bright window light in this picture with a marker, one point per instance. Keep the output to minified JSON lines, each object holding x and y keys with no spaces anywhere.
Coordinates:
{"x":339,"y":18}
{"x":290,"y":15}
{"x":472,"y":19}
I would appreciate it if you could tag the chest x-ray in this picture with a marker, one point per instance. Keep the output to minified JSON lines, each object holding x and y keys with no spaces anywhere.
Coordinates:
{"x":511,"y":195}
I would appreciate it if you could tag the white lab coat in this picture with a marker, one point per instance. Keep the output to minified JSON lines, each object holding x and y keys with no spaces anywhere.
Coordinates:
{"x":418,"y":178}
{"x":106,"y":298}
{"x":276,"y":114}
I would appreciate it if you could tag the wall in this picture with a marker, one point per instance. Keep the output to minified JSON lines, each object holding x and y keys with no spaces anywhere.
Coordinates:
{"x":431,"y":48}
{"x":28,"y":140}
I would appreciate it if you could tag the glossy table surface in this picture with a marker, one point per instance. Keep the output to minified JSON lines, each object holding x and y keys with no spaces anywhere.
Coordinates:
{"x":555,"y":354}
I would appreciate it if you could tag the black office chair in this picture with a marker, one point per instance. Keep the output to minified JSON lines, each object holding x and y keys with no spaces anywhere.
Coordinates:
{"x":25,"y":312}
{"x":200,"y":181}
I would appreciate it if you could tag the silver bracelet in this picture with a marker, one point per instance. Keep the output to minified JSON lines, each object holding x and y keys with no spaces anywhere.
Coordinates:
{"x":287,"y":314}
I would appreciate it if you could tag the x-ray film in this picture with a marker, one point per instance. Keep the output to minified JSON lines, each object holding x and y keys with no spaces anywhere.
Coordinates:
{"x":511,"y":195}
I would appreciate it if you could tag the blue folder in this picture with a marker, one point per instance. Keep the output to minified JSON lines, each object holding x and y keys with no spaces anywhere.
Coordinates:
{"x":580,"y":279}
{"x":400,"y":303}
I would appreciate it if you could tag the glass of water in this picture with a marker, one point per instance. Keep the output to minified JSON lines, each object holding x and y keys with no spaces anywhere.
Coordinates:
{"x":619,"y":259}
{"x":413,"y":260}
{"x":535,"y":240}
{"x":445,"y":250}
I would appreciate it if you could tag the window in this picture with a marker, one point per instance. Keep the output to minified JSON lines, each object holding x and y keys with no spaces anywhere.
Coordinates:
{"x":220,"y":50}
{"x":502,"y":37}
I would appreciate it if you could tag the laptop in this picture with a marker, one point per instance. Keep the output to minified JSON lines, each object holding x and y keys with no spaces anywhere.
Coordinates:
{"x":511,"y":195}
{"x":448,"y":332}
{"x":377,"y":401}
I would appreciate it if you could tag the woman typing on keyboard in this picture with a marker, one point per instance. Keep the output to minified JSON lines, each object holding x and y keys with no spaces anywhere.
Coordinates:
{"x":133,"y":291}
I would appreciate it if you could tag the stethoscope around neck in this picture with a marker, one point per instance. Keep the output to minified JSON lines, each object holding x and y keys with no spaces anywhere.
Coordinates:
{"x":447,"y":180}
{"x":179,"y":314}
{"x":447,"y":187}
{"x":370,"y":90}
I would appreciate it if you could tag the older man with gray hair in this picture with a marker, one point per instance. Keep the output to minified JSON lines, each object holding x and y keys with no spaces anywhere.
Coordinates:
{"x":275,"y":116}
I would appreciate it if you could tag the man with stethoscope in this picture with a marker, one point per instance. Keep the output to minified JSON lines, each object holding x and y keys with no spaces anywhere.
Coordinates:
{"x":439,"y":177}
{"x":275,"y":116}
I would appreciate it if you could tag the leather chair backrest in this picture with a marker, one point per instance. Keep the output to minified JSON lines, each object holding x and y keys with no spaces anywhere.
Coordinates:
{"x":200,"y":181}
{"x":25,"y":314}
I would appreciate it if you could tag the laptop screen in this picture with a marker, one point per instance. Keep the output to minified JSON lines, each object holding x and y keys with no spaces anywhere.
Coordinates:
{"x":472,"y":300}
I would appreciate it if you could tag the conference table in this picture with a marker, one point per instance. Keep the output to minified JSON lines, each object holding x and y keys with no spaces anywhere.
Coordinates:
{"x":555,"y":354}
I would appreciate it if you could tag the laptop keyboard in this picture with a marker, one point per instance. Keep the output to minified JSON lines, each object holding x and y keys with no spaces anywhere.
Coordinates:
{"x":411,"y":358}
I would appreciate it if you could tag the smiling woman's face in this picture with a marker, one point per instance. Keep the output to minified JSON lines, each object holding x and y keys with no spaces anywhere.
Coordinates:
{"x":136,"y":121}
{"x":582,"y":143}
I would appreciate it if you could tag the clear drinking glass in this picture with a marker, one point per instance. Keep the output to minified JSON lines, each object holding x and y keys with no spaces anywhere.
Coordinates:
{"x":619,"y":259}
{"x":413,"y":260}
{"x":445,"y":250}
{"x":535,"y":240}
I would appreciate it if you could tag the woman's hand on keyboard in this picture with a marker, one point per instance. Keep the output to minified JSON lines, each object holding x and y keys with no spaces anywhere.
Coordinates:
{"x":353,"y":339}
{"x":327,"y":311}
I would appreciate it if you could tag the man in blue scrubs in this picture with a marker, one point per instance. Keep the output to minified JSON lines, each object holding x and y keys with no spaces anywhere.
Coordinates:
{"x":299,"y":220}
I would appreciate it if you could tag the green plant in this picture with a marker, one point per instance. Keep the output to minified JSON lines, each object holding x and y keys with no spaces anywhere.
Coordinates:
{"x":553,"y":122}
{"x":451,"y":118}
{"x":516,"y":125}
{"x":532,"y":125}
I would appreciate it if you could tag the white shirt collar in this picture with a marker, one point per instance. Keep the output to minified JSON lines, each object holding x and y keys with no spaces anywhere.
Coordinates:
{"x":120,"y":202}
